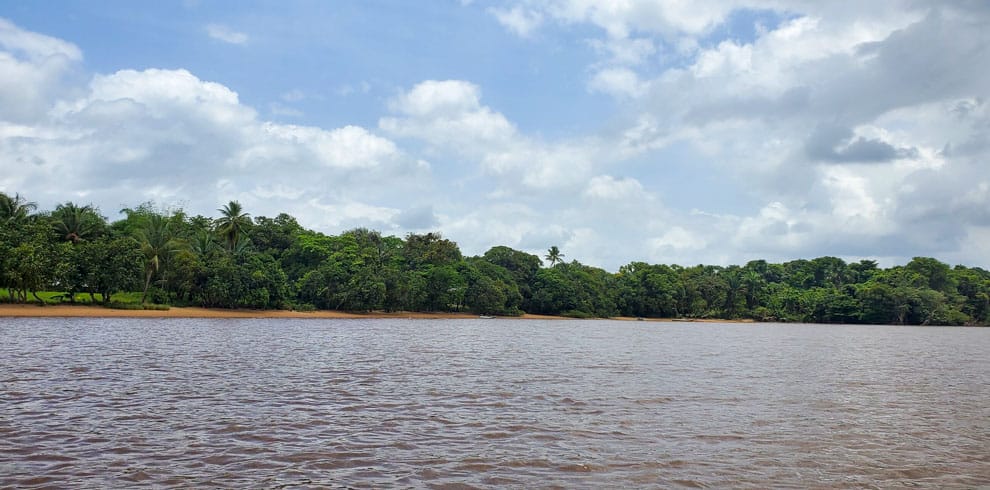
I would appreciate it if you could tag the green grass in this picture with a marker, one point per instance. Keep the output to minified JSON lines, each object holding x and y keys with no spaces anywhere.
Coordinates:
{"x":58,"y":297}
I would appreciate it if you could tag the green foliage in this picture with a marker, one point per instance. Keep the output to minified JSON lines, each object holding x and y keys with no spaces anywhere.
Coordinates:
{"x":75,"y":223}
{"x":233,"y":224}
{"x":72,"y":255}
{"x":554,"y":256}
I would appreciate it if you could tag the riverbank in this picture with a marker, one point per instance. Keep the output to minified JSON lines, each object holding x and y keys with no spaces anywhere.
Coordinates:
{"x":70,"y":311}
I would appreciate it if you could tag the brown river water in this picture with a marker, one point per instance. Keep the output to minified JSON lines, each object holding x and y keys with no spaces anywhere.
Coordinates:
{"x":279,"y":403}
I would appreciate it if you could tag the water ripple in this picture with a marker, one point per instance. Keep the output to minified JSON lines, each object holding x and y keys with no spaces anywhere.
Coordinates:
{"x":96,"y":403}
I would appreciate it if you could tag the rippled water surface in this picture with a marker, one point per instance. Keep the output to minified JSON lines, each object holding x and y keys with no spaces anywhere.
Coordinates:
{"x":96,"y":403}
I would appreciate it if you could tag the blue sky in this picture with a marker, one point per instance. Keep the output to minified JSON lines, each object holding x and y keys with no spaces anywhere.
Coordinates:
{"x":669,"y":132}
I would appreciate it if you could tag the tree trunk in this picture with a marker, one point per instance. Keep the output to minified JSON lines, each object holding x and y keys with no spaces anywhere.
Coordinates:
{"x":35,"y":294}
{"x":147,"y":282}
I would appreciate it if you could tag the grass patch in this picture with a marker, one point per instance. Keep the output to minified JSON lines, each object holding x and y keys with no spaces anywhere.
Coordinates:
{"x":60,"y":297}
{"x":128,"y":297}
{"x":577,"y":314}
{"x":49,"y":297}
{"x":120,"y":305}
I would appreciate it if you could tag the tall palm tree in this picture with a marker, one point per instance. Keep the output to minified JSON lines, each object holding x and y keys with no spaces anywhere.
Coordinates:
{"x":233,"y":224}
{"x":158,"y":242}
{"x":15,"y":209}
{"x":554,"y":256}
{"x":76,"y":223}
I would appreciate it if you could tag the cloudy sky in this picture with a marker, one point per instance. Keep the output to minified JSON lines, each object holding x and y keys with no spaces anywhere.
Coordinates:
{"x":666,"y":131}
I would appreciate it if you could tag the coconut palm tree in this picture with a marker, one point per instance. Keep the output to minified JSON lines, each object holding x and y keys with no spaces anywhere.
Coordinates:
{"x":554,"y":256}
{"x":15,"y":209}
{"x":233,"y":224}
{"x":76,"y":223}
{"x":203,"y":242}
{"x":158,"y":242}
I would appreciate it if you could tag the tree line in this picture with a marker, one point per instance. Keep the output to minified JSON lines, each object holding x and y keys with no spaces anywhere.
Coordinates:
{"x":236,"y":261}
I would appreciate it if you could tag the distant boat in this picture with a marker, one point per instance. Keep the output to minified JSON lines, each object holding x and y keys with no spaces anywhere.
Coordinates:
{"x":486,"y":317}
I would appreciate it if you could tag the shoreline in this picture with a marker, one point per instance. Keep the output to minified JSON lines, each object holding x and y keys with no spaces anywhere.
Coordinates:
{"x":8,"y":310}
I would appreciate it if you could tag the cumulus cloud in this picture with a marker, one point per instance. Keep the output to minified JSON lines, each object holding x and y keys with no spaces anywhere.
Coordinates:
{"x":32,"y":71}
{"x":447,"y":112}
{"x":169,"y":136}
{"x":853,"y":131}
{"x":450,"y":116}
{"x":857,"y":131}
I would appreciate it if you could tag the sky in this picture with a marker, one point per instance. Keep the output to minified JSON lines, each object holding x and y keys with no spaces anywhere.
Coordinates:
{"x":664,"y":131}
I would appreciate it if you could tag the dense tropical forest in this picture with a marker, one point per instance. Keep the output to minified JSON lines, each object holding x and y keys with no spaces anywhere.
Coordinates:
{"x":236,"y":261}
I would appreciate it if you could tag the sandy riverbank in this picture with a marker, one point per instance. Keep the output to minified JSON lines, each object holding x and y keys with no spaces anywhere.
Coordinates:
{"x":65,"y":311}
{"x":68,"y":311}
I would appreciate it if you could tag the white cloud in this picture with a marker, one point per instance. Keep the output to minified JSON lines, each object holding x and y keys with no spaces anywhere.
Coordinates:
{"x":618,"y":82}
{"x":625,"y":51}
{"x":448,"y":113}
{"x":608,"y":187}
{"x":350,"y":147}
{"x":169,"y":136}
{"x":675,"y":239}
{"x":520,"y":21}
{"x":438,"y":97}
{"x":223,"y":33}
{"x":857,"y":131}
{"x":618,"y":19}
{"x":35,"y":47}
{"x":32,"y":68}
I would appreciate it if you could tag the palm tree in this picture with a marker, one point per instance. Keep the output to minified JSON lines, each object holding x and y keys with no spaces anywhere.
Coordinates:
{"x":15,"y":209}
{"x":203,"y":242}
{"x":158,"y":242}
{"x":233,"y":224}
{"x":554,"y":256}
{"x":76,"y":223}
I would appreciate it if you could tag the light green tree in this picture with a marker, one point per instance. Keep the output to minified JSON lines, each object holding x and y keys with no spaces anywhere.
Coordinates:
{"x":158,"y":243}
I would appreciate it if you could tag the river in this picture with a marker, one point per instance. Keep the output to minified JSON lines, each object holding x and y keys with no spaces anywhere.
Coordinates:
{"x":112,"y":403}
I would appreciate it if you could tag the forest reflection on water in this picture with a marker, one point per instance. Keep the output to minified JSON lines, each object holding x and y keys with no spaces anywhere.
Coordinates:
{"x":489,"y":403}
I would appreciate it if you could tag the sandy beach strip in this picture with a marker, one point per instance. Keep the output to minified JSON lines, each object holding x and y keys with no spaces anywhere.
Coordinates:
{"x":77,"y":311}
{"x":68,"y":311}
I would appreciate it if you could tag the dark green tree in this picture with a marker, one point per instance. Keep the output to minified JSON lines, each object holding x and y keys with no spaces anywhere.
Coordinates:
{"x":233,"y":225}
{"x":554,"y":256}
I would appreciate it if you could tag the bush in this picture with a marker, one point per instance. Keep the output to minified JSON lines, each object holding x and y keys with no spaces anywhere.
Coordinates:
{"x":577,"y":314}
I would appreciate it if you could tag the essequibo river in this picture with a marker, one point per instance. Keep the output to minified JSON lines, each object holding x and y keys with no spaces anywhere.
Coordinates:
{"x":96,"y":403}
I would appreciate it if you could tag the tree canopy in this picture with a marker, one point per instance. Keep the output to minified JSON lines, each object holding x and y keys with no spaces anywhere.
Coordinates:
{"x":234,"y":261}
